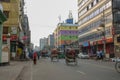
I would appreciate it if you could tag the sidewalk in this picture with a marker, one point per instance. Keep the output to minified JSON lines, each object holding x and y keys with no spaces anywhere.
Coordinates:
{"x":12,"y":71}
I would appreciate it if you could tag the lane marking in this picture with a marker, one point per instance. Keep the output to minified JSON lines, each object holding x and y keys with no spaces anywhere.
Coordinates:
{"x":101,"y":66}
{"x":31,"y":72}
{"x":81,"y":72}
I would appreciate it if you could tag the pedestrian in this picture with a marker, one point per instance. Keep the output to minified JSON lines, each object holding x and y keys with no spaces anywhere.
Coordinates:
{"x":98,"y":55}
{"x":35,"y":57}
{"x":101,"y":54}
{"x":38,"y":54}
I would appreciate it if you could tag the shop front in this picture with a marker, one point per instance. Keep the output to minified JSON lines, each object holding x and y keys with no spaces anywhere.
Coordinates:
{"x":109,"y":47}
{"x":86,"y":47}
{"x":12,"y":44}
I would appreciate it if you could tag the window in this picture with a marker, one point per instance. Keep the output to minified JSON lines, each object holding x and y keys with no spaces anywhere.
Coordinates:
{"x":87,"y":8}
{"x":118,"y":39}
{"x":92,"y":4}
{"x":117,"y":17}
{"x":5,"y":0}
{"x":5,"y":30}
{"x":116,"y":4}
{"x":97,"y":1}
{"x":6,"y":13}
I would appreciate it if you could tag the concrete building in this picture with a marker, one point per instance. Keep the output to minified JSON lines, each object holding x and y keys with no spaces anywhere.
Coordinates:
{"x":27,"y":33}
{"x":37,"y":48}
{"x":14,"y":10}
{"x":94,"y":15}
{"x":66,"y":33}
{"x":31,"y":46}
{"x":51,"y":40}
{"x":43,"y":43}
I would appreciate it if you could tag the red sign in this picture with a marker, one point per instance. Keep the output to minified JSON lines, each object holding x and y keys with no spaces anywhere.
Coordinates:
{"x":4,"y":37}
{"x":99,"y":42}
{"x":24,"y":37}
{"x":13,"y":37}
{"x":109,"y":40}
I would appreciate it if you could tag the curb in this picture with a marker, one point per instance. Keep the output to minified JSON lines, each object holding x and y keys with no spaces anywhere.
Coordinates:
{"x":19,"y":74}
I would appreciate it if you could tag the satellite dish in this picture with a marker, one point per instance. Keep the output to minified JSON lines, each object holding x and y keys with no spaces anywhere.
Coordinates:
{"x":1,"y":8}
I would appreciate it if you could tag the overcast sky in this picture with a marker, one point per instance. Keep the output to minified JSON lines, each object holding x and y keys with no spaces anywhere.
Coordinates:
{"x":44,"y":15}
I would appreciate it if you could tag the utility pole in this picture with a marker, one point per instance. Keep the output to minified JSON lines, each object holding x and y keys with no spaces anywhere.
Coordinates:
{"x":103,"y":31}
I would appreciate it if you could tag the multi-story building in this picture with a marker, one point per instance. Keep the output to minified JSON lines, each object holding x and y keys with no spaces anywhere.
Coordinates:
{"x":65,"y":33}
{"x":43,"y":43}
{"x":26,"y":38}
{"x":13,"y":10}
{"x":94,"y":15}
{"x":51,"y":40}
{"x":31,"y":47}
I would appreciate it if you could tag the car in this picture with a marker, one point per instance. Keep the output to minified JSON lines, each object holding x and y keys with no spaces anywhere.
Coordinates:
{"x":83,"y":55}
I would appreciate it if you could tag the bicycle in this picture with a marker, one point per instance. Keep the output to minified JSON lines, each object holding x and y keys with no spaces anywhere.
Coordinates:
{"x":117,"y":65}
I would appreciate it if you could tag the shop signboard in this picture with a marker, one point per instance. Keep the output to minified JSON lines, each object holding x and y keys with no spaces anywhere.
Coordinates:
{"x":5,"y":53}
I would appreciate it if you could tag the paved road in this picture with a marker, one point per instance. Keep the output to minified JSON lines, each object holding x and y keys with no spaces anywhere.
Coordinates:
{"x":11,"y":72}
{"x":85,"y":70}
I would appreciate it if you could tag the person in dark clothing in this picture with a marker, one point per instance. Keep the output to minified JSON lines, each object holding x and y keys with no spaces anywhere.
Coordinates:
{"x":38,"y":55}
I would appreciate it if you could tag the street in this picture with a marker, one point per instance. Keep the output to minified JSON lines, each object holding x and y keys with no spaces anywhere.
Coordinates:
{"x":85,"y":70}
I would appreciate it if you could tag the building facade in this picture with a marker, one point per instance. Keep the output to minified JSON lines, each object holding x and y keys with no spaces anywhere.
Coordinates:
{"x":43,"y":43}
{"x":94,"y":15}
{"x":27,"y":33}
{"x":65,"y":34}
{"x":13,"y":9}
{"x":51,"y":40}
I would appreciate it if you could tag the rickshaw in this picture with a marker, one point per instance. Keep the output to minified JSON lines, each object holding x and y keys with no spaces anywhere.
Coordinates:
{"x":117,"y":55}
{"x":71,"y":56}
{"x":54,"y":54}
{"x":44,"y":53}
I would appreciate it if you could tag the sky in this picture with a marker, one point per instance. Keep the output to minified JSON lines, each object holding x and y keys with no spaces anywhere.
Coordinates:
{"x":44,"y":16}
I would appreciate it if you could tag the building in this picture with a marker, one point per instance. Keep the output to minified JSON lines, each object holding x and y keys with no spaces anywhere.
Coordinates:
{"x":27,"y":33}
{"x":4,"y":53}
{"x":31,"y":47}
{"x":51,"y":40}
{"x":43,"y":43}
{"x":94,"y":15}
{"x":66,"y":33}
{"x":14,"y":10}
{"x":37,"y":48}
{"x":116,"y":24}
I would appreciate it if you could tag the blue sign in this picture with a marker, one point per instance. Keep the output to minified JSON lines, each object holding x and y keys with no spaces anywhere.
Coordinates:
{"x":85,"y":44}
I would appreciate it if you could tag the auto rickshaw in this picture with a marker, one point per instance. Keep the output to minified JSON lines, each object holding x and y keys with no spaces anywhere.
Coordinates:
{"x":70,"y":56}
